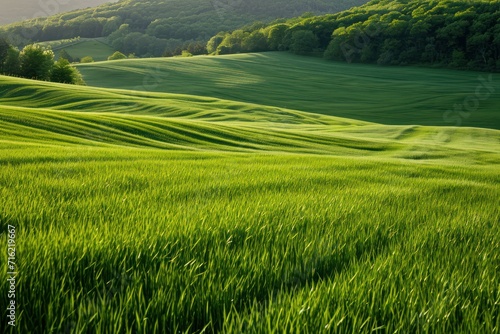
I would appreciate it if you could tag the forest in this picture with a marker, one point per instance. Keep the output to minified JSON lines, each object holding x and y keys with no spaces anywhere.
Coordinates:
{"x":159,"y":27}
{"x":454,"y":34}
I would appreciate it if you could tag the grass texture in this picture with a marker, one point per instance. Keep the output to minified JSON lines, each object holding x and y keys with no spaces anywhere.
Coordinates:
{"x":385,"y":95}
{"x":154,"y":212}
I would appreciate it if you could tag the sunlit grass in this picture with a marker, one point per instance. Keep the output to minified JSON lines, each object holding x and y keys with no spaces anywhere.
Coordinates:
{"x":64,"y":115}
{"x":150,"y":241}
{"x":143,"y":212}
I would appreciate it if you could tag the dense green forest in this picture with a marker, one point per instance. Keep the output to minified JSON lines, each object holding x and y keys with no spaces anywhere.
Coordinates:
{"x":457,"y":34}
{"x":163,"y":27}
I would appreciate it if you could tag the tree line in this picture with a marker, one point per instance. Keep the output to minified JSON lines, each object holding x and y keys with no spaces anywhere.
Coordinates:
{"x":36,"y":62}
{"x":158,"y":27}
{"x":455,"y":34}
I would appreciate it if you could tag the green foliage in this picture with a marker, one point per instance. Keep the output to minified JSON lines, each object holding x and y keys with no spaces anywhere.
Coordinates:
{"x":63,"y":54}
{"x":4,"y":50}
{"x":214,"y":43}
{"x":63,"y":72}
{"x":303,"y":41}
{"x":416,"y":32}
{"x":12,"y":63}
{"x":196,"y":48}
{"x":86,"y":60}
{"x":255,"y":41}
{"x":456,"y":34}
{"x":151,"y":28}
{"x":117,"y":56}
{"x":36,"y":62}
{"x":276,"y":37}
{"x":232,"y":42}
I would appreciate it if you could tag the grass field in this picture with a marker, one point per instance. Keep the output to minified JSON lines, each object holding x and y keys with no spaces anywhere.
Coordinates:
{"x":83,"y":47}
{"x":153,"y":212}
{"x":387,"y":95}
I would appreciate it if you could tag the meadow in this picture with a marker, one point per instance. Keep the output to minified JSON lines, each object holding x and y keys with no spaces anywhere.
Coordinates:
{"x":97,"y":48}
{"x":387,"y":95}
{"x":141,"y":211}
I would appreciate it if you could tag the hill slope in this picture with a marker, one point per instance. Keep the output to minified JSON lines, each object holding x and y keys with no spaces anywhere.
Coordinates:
{"x":78,"y":48}
{"x":371,"y":93}
{"x":56,"y":114}
{"x":140,"y":212}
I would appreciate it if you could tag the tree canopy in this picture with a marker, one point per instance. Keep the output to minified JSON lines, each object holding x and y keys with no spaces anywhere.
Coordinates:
{"x":457,"y":34}
{"x":63,"y":72}
{"x":117,"y":56}
{"x":36,"y":62}
{"x":158,"y":27}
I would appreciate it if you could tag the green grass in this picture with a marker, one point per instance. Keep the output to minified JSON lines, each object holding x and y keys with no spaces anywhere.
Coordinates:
{"x":153,"y":212}
{"x":94,"y":47}
{"x":148,"y":241}
{"x":387,"y":95}
{"x":57,"y":114}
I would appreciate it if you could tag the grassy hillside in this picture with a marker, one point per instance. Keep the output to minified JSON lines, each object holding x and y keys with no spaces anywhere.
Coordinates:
{"x":192,"y":122}
{"x":95,"y":47}
{"x":388,"y":95}
{"x":141,"y":212}
{"x":149,"y":241}
{"x":184,"y":213}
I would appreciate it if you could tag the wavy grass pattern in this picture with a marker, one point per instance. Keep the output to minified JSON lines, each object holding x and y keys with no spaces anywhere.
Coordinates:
{"x":150,"y":212}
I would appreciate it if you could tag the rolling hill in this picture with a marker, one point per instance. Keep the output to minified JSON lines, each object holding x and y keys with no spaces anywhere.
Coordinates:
{"x":57,"y":114}
{"x":387,"y":95}
{"x":220,"y":195}
{"x":153,"y":212}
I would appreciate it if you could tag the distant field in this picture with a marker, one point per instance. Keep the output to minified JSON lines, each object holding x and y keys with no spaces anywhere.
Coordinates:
{"x":151,"y":212}
{"x":60,"y":114}
{"x":96,"y":48}
{"x":387,"y":95}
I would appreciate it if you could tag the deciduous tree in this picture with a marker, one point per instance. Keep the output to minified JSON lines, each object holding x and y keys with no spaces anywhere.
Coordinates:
{"x":36,"y":62}
{"x":63,"y":72}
